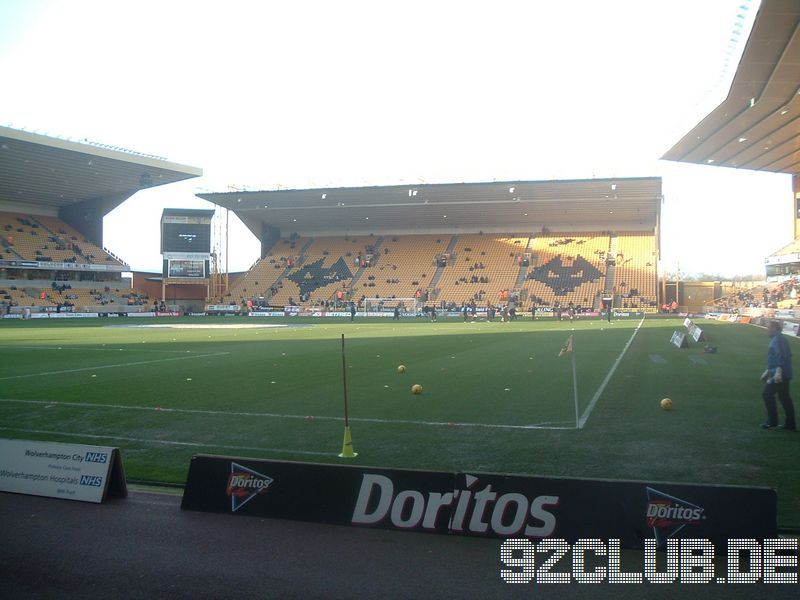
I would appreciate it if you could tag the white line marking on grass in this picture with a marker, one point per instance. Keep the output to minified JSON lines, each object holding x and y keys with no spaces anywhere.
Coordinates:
{"x":543,"y":425}
{"x":118,"y":365}
{"x":167,"y":442}
{"x":202,"y":326}
{"x":596,"y":397}
{"x":93,"y":349}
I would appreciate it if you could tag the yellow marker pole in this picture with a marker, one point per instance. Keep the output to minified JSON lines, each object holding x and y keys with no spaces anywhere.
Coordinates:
{"x":347,"y":443}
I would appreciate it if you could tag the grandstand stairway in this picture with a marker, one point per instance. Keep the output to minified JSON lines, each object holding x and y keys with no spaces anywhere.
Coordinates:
{"x":302,"y":254}
{"x":301,"y":258}
{"x":357,"y":275}
{"x":268,"y":295}
{"x":439,"y":269}
{"x":10,"y":250}
{"x":45,"y":227}
{"x":610,"y":268}
{"x":612,"y":245}
{"x":523,"y":273}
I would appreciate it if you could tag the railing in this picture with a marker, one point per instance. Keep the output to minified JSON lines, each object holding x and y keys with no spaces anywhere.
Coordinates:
{"x":115,"y":257}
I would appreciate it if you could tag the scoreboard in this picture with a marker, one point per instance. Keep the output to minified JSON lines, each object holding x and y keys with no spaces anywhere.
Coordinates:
{"x":191,"y":269}
{"x":186,"y":243}
{"x":186,"y":234}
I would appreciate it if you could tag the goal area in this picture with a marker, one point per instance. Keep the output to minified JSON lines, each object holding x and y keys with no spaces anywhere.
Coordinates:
{"x":381,"y":305}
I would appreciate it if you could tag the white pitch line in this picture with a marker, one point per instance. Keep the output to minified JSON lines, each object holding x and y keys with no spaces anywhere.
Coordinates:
{"x":118,"y":365}
{"x":545,"y":425}
{"x":92,"y":348}
{"x":166,"y":442}
{"x":598,"y":393}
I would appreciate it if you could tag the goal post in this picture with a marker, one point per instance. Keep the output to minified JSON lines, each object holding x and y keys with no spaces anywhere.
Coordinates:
{"x":409,"y":306}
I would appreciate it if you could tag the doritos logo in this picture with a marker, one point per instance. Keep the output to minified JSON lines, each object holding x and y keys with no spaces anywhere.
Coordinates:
{"x":244,"y":484}
{"x":667,"y":515}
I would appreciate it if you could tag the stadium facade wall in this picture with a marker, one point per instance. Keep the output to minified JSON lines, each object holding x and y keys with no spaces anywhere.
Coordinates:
{"x":552,"y":226}
{"x":27,"y":209}
{"x":87,"y":218}
{"x":189,"y":296}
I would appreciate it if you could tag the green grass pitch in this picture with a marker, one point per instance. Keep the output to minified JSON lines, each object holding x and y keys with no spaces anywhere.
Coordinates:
{"x":496,"y":396}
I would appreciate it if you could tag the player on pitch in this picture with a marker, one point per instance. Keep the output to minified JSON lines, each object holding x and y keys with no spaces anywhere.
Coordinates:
{"x":776,"y":378}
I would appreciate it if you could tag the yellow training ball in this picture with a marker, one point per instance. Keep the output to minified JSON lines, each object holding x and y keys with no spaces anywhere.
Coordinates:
{"x":401,"y":369}
{"x":416,"y":389}
{"x":666,"y":404}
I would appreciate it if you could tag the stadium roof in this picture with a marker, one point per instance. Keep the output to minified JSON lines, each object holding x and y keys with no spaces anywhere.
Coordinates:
{"x":509,"y":206}
{"x":758,"y":125}
{"x":48,"y":173}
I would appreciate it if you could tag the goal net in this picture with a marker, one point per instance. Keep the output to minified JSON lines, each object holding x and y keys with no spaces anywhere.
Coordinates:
{"x":406,"y":305}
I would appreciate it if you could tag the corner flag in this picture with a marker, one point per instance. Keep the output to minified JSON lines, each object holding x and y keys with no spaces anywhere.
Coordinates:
{"x":567,"y":347}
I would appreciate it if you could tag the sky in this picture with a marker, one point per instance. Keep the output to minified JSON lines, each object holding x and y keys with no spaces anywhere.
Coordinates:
{"x":275,"y":94}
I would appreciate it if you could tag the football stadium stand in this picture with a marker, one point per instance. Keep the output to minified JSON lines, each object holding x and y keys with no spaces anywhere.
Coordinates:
{"x":449,"y":269}
{"x":263,"y":280}
{"x":48,"y":239}
{"x":66,"y":297}
{"x":326,"y":266}
{"x":398,"y":245}
{"x":568,"y":268}
{"x":54,"y":195}
{"x":785,"y":294}
{"x":482,"y":267}
{"x":403,"y":267}
{"x":635,"y":278}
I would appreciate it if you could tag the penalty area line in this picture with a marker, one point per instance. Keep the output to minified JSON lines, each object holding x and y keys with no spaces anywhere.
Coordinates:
{"x":225,"y":413}
{"x":116,"y":366}
{"x":165,"y":442}
{"x":585,"y":416}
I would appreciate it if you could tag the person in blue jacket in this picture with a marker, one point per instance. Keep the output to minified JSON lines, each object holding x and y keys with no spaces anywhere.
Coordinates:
{"x":776,"y":378}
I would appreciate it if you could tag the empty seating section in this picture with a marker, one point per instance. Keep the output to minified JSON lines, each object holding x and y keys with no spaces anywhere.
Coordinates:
{"x":567,"y":267}
{"x":73,"y":298}
{"x":262,"y":278}
{"x":791,"y":248}
{"x":257,"y":281}
{"x":635,"y":277}
{"x":403,"y":265}
{"x":482,"y":265}
{"x":21,"y":237}
{"x":45,"y":239}
{"x":18,"y":295}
